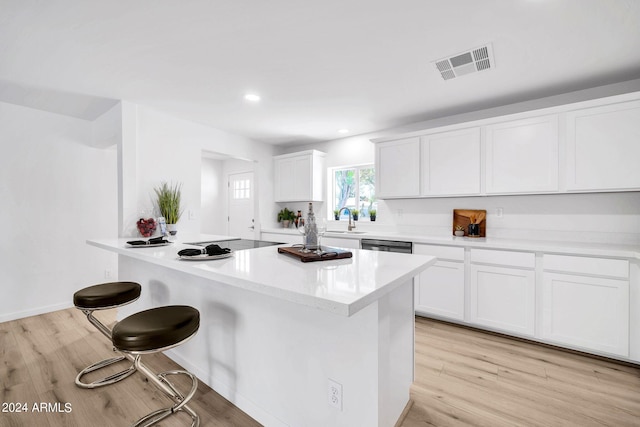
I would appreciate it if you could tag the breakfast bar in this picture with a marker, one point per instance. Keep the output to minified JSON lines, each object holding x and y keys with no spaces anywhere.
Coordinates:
{"x":290,"y":343}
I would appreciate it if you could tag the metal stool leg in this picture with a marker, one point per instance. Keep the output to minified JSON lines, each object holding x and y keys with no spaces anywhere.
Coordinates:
{"x":104,"y":363}
{"x":167,"y":387}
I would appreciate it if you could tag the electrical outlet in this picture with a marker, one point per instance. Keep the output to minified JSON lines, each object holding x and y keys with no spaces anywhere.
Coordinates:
{"x":499,"y":212}
{"x":334,"y":394}
{"x":107,"y":273}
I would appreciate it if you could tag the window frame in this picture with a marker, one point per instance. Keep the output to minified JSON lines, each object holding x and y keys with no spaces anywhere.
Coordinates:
{"x":332,"y":185}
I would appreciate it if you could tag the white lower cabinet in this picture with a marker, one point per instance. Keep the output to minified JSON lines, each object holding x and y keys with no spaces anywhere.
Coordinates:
{"x":337,"y":242}
{"x":583,"y":311}
{"x":578,"y":302}
{"x":587,"y":312}
{"x":439,"y":290}
{"x":583,"y":305}
{"x":503,"y":298}
{"x":281,"y":238}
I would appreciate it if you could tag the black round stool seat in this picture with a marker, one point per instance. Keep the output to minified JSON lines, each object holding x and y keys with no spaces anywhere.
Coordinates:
{"x":155,"y":329}
{"x":106,"y":295}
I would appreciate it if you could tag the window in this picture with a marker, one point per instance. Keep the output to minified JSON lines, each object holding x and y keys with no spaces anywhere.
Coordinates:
{"x":354,"y":188}
{"x":241,"y":189}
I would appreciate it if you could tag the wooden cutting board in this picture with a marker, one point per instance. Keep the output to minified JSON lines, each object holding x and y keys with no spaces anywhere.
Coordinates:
{"x":329,"y":253}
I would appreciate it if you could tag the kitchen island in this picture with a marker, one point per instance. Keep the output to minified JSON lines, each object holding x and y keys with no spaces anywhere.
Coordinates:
{"x":277,"y":334}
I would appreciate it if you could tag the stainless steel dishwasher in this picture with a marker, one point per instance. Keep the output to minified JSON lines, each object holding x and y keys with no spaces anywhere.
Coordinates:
{"x":387,"y":245}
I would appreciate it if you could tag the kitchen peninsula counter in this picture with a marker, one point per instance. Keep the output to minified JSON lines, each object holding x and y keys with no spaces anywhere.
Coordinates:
{"x":342,"y":286}
{"x":275,"y":331}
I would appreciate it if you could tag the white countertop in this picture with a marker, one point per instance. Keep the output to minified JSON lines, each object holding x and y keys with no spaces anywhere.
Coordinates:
{"x":342,"y":286}
{"x":547,"y":246}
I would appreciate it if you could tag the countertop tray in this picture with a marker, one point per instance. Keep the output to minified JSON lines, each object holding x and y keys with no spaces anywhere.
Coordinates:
{"x":328,"y":253}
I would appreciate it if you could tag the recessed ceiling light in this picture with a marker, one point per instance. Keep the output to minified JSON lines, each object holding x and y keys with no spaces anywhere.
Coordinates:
{"x":343,"y":131}
{"x":252,"y":97}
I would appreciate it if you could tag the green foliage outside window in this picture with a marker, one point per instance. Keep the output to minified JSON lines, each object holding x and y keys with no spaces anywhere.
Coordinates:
{"x":354,"y":188}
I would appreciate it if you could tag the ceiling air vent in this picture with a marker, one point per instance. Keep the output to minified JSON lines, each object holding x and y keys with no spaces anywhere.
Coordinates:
{"x":478,"y":59}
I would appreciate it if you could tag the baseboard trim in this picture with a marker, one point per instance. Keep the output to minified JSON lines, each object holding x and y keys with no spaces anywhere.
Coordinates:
{"x":34,"y":312}
{"x":404,"y":413}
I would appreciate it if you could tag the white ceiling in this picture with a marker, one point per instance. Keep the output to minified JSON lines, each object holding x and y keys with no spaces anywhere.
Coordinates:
{"x":319,"y":66}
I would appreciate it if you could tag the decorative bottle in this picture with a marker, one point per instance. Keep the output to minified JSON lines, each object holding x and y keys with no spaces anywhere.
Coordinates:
{"x":298,"y":218}
{"x":311,"y":230}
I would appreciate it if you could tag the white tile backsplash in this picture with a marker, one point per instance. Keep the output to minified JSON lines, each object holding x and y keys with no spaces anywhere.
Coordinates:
{"x":595,"y":217}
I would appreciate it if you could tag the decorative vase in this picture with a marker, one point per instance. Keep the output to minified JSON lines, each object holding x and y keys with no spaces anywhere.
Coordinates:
{"x":459,"y":233}
{"x":286,"y":223}
{"x":336,"y":217}
{"x":474,"y":229}
{"x":172,"y":229}
{"x":146,"y":227}
{"x":355,"y":217}
{"x":372,"y":217}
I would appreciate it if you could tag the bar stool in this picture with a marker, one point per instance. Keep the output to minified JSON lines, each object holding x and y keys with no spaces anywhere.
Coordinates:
{"x":154,"y":331}
{"x":102,"y":297}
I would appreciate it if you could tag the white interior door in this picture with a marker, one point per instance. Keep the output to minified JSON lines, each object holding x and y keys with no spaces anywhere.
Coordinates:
{"x":241,"y":205}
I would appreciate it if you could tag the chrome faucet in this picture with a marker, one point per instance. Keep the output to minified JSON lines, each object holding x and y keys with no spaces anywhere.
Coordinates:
{"x":351,"y":225}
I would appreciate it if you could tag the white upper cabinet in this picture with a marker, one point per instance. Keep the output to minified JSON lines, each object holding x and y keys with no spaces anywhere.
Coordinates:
{"x":298,"y":177}
{"x":398,"y":168}
{"x":450,"y":163}
{"x":522,"y":156}
{"x":586,"y":147}
{"x":603,"y":148}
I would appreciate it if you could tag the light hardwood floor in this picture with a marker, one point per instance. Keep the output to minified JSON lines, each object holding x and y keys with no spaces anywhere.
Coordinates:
{"x":464,"y":377}
{"x":41,"y":355}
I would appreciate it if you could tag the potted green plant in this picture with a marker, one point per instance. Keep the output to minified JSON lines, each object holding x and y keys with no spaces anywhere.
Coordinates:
{"x":372,"y":214}
{"x":168,"y":204}
{"x":285,"y":216}
{"x":336,"y":214}
{"x":355,"y":213}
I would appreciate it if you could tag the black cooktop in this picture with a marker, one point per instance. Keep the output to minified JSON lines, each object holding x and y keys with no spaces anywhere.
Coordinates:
{"x":237,"y":244}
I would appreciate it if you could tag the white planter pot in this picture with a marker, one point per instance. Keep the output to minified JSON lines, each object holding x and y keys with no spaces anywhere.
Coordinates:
{"x":172,"y":229}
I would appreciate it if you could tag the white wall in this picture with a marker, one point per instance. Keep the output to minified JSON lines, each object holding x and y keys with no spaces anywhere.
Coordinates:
{"x":63,"y":181}
{"x":56,"y":191}
{"x":170,"y":149}
{"x":213,"y":197}
{"x":597,"y":217}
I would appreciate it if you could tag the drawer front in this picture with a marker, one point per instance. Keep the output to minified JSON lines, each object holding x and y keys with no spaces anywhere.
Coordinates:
{"x":503,"y":258}
{"x":586,"y":265}
{"x":440,"y":252}
{"x":337,"y":242}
